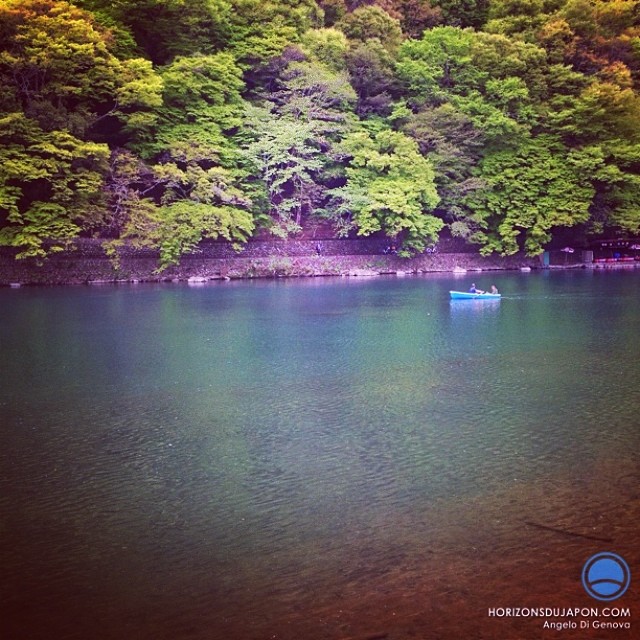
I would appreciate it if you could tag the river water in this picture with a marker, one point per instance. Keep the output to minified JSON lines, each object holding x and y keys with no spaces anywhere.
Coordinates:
{"x":315,"y":459}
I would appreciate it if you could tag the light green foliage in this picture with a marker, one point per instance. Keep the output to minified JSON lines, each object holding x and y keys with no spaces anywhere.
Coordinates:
{"x":50,"y":185}
{"x":178,"y":228}
{"x":203,"y":87}
{"x":192,"y":177}
{"x":139,"y":85}
{"x":602,"y":111}
{"x":499,"y":57}
{"x":490,"y":119}
{"x":432,"y":68}
{"x":256,"y":50}
{"x":262,"y":29}
{"x":493,"y":80}
{"x":390,"y":187}
{"x":449,"y":61}
{"x":138,"y":98}
{"x":314,"y":92}
{"x":530,"y":190}
{"x":289,"y":143}
{"x":201,"y":100}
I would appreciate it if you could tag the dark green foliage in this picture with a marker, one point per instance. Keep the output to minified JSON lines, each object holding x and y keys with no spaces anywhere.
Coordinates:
{"x":164,"y":29}
{"x":371,"y":71}
{"x":463,"y":13}
{"x":454,"y":146}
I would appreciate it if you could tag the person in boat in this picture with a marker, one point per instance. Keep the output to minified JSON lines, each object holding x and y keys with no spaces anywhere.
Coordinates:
{"x":494,"y":290}
{"x":473,"y":289}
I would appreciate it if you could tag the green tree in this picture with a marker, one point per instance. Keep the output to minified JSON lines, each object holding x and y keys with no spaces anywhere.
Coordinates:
{"x":522,"y":17}
{"x":126,"y":186}
{"x":497,"y":83}
{"x":56,"y":67}
{"x":529,"y":191}
{"x":615,"y":178}
{"x":290,"y":141}
{"x":196,"y":204}
{"x":201,"y":102}
{"x":55,"y":64}
{"x":284,"y":155}
{"x":50,"y":186}
{"x":263,"y":29}
{"x":190,"y":187}
{"x":371,"y":71}
{"x":314,"y":92}
{"x":601,"y":111}
{"x":326,"y":46}
{"x":390,"y":187}
{"x":371,"y":23}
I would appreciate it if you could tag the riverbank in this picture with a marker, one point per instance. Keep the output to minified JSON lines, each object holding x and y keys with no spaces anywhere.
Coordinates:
{"x":88,"y":264}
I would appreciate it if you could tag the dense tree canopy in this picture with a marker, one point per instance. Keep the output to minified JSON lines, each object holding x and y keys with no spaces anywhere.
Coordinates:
{"x":165,"y":122}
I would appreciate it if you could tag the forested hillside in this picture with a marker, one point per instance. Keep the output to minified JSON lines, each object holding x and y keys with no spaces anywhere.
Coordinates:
{"x":164,"y":122}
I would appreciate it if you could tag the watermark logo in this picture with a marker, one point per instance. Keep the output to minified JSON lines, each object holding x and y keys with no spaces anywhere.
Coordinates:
{"x":606,"y":576}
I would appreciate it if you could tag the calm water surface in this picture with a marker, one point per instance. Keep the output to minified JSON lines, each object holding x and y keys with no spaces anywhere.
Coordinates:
{"x":314,"y":459}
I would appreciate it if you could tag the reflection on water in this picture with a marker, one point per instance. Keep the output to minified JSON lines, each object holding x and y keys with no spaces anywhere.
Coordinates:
{"x":312,"y":459}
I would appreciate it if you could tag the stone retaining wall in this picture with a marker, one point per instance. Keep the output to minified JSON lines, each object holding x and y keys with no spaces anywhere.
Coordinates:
{"x":89,"y":264}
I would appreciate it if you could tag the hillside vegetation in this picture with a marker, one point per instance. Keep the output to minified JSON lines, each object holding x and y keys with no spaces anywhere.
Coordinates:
{"x":165,"y":122}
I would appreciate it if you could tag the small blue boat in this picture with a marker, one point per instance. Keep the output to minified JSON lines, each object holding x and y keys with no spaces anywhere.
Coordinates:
{"x":466,"y":295}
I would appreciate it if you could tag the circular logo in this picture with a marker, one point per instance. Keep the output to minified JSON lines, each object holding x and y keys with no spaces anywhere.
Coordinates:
{"x":606,"y":576}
